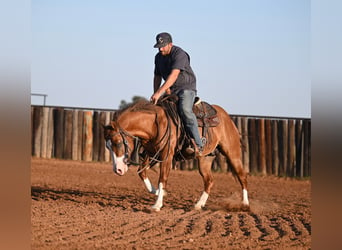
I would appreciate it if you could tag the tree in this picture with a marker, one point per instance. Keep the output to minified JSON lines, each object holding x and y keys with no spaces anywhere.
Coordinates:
{"x":135,"y":99}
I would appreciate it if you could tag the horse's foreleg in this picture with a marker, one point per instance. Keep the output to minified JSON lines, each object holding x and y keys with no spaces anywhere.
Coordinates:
{"x":150,"y":188}
{"x":159,"y":203}
{"x":201,"y":202}
{"x":163,"y":175}
{"x":205,"y":171}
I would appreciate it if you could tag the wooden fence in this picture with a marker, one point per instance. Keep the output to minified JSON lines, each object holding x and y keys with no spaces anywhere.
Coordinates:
{"x":271,"y":146}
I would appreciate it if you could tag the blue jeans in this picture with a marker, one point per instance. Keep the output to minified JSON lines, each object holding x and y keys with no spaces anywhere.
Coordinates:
{"x":185,"y":104}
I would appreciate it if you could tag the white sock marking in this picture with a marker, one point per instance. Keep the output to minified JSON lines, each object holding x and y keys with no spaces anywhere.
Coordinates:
{"x":203,"y":199}
{"x":149,"y":186}
{"x":159,"y":202}
{"x":245,"y":197}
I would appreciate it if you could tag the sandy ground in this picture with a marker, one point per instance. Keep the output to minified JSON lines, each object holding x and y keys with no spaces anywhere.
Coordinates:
{"x":78,"y":205}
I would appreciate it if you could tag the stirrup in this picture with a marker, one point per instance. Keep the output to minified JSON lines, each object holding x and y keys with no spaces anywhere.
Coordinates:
{"x":204,"y":141}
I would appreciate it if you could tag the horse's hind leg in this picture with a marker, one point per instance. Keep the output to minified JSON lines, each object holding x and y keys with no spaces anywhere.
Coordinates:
{"x":205,"y":171}
{"x":242,"y":177}
{"x":234,"y":157}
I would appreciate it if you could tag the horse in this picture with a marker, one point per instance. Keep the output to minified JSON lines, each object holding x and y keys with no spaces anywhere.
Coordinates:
{"x":149,"y":126}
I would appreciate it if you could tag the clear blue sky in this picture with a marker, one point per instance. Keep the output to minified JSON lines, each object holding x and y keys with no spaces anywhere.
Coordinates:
{"x":252,"y":57}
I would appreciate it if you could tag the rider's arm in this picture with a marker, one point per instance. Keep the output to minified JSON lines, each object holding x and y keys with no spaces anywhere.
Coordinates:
{"x":156,"y":82}
{"x":171,"y":79}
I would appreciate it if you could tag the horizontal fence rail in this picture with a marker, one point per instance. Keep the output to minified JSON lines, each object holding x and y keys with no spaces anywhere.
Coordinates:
{"x":270,"y":145}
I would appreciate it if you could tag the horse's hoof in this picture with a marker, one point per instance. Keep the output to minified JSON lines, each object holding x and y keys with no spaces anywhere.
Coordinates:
{"x":245,"y":204}
{"x":155,"y":209}
{"x":245,"y":208}
{"x":198,"y":208}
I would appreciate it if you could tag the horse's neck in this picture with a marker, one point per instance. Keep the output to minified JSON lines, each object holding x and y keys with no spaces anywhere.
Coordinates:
{"x":139,"y":124}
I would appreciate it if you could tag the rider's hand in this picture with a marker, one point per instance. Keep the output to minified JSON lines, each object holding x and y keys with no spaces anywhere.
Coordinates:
{"x":155,"y":97}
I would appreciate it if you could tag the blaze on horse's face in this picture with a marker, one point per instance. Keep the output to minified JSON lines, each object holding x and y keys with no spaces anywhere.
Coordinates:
{"x":115,"y":145}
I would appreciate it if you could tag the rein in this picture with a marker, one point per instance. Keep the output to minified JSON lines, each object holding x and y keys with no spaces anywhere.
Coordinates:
{"x":154,"y":159}
{"x":161,"y":144}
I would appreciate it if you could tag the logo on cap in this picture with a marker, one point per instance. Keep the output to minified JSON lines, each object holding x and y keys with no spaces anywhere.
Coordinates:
{"x":160,"y":40}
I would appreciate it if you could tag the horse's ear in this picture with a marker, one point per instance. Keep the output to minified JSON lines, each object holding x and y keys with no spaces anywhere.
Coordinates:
{"x":110,"y":126}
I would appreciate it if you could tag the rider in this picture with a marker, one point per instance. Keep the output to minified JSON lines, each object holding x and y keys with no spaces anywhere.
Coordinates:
{"x":173,"y":65}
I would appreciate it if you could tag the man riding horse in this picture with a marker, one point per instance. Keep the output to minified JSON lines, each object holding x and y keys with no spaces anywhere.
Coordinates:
{"x":173,"y":65}
{"x":149,"y":125}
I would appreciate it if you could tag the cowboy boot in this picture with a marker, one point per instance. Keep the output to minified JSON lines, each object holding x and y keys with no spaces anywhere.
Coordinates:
{"x":194,"y":149}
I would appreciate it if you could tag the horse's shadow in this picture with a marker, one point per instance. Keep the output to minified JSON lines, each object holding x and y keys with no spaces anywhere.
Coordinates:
{"x":136,"y":203}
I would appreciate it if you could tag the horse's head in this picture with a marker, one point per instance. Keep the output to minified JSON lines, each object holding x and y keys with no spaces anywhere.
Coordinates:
{"x":120,"y":145}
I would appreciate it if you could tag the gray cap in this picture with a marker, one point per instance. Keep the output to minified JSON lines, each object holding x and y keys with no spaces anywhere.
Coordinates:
{"x":163,"y":39}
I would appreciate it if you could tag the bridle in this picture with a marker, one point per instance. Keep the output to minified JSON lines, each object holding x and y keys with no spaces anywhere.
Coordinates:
{"x":124,"y":134}
{"x":137,"y":142}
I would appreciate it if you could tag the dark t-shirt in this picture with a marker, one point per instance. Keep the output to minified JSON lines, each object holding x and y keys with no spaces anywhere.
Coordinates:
{"x":177,"y":59}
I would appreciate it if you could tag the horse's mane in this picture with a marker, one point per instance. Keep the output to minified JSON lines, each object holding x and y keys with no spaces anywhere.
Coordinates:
{"x":138,"y":106}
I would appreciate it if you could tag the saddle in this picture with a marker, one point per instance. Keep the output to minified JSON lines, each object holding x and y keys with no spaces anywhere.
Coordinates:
{"x":205,"y":113}
{"x":206,"y":117}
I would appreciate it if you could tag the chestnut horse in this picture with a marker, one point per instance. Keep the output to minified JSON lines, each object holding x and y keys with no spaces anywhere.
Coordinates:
{"x":158,"y":135}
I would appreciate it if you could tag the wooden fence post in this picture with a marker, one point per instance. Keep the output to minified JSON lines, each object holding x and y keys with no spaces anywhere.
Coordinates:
{"x":96,"y":128}
{"x":253,"y":146}
{"x":88,"y":136}
{"x":262,"y":147}
{"x":307,"y":151}
{"x":282,"y":139}
{"x":268,"y":134}
{"x":59,"y":132}
{"x":75,"y":135}
{"x":45,"y":124}
{"x":101,"y":138}
{"x":298,"y":146}
{"x":67,"y":134}
{"x":245,"y":146}
{"x":50,"y":141}
{"x":37,"y":130}
{"x":291,"y":162}
{"x":275,"y":148}
{"x":80,"y":132}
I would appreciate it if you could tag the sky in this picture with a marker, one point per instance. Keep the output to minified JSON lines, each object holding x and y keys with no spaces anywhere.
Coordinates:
{"x":252,"y":57}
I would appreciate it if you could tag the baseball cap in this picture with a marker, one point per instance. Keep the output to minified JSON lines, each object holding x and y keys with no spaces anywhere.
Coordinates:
{"x":163,"y":39}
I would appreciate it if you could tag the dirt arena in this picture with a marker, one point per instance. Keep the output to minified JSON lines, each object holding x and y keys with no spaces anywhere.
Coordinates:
{"x":78,"y":205}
